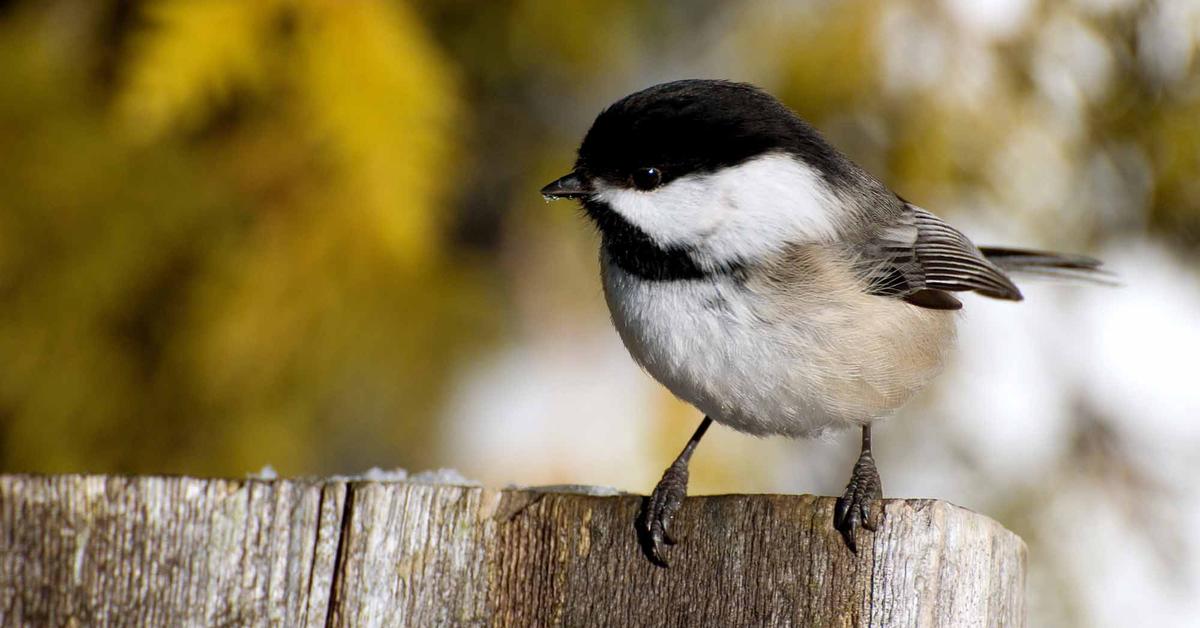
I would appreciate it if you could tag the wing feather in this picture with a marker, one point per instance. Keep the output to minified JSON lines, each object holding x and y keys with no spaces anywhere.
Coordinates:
{"x":920,"y":252}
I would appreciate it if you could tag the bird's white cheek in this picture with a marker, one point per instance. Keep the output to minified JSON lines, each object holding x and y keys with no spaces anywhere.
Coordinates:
{"x":741,"y":212}
{"x":680,"y":213}
{"x":770,"y":203}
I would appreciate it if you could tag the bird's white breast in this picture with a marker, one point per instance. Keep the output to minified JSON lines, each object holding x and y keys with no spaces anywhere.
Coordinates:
{"x":779,"y":351}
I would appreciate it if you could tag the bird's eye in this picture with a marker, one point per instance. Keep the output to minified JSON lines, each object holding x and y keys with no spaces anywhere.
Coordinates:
{"x":646,"y":178}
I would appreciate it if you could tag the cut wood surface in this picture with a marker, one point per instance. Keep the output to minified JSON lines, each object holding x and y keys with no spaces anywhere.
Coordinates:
{"x":177,"y":551}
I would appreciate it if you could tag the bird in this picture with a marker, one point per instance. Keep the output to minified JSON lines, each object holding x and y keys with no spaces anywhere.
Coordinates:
{"x":763,"y":277}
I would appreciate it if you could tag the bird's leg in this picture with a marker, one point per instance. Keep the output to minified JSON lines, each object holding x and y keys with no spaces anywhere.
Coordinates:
{"x":858,"y":506}
{"x":660,"y":508}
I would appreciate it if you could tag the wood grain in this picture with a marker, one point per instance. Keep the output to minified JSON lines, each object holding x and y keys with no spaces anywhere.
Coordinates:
{"x":97,"y":550}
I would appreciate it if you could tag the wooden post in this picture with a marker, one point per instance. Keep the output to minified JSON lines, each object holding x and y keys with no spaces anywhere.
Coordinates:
{"x":158,"y":551}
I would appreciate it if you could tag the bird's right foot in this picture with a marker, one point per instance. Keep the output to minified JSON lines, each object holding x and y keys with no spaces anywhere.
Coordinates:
{"x":658,"y":511}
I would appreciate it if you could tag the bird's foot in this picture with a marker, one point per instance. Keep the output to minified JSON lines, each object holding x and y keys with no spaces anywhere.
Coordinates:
{"x":654,"y":524}
{"x":859,"y":506}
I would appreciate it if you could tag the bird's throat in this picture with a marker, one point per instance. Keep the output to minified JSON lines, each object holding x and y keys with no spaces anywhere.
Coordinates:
{"x":635,"y":252}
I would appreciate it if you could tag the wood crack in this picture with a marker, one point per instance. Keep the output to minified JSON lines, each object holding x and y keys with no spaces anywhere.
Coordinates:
{"x":336,"y":582}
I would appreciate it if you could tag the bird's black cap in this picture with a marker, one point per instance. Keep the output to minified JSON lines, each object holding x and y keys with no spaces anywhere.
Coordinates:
{"x":695,"y":126}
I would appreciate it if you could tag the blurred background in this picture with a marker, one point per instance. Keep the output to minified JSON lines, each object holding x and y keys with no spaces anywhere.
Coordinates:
{"x":307,"y":234}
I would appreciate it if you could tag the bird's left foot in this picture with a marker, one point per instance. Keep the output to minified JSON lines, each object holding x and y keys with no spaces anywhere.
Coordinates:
{"x":859,"y":507}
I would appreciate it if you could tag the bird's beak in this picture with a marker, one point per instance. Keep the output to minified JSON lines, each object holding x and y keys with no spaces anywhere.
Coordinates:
{"x":570,"y":186}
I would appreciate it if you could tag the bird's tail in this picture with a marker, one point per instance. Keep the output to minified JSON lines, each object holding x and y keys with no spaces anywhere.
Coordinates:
{"x":1074,"y":268}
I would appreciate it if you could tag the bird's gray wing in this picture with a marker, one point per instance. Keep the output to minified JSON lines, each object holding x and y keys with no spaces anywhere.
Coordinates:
{"x":919,"y":258}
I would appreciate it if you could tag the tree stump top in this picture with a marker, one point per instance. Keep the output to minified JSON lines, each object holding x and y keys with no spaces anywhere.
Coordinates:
{"x":90,"y":550}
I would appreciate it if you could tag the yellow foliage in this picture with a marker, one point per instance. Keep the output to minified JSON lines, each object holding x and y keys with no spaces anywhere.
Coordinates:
{"x":566,"y":35}
{"x":369,"y":93}
{"x":825,"y":52}
{"x":194,"y":55}
{"x":248,"y":255}
{"x":376,"y":91}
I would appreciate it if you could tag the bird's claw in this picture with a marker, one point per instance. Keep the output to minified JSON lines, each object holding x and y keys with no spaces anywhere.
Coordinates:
{"x":859,"y":506}
{"x":659,"y":511}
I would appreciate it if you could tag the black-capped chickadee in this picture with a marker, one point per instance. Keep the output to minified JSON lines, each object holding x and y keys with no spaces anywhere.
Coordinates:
{"x":765,"y":278}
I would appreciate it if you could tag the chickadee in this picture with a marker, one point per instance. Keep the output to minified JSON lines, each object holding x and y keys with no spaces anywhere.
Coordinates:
{"x":766,"y":279}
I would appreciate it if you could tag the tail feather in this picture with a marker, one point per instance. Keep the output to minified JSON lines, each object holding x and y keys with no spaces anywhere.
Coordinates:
{"x":1079,"y":268}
